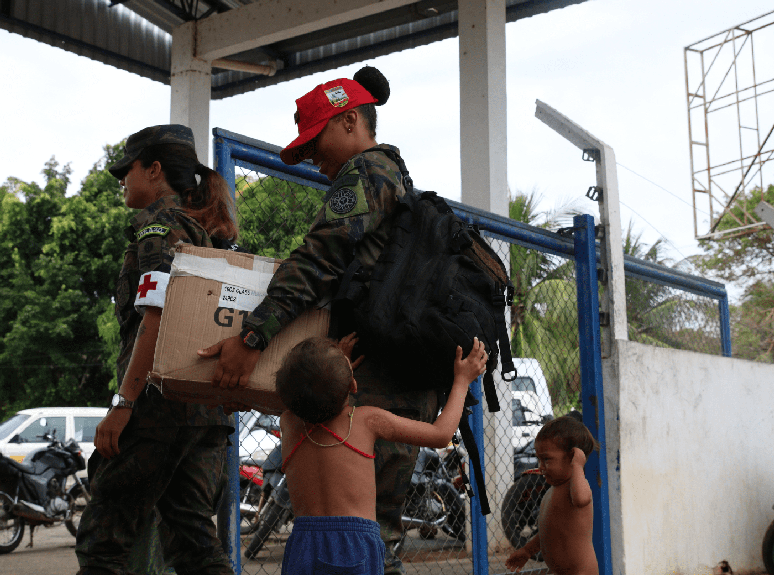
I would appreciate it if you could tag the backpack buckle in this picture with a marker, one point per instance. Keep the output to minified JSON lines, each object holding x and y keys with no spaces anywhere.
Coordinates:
{"x":501,"y":299}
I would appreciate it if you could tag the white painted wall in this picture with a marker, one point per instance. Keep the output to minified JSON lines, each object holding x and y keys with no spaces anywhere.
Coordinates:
{"x":690,"y":459}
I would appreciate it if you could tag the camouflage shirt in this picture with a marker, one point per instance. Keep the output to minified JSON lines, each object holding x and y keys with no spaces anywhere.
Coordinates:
{"x":159,"y":226}
{"x":354,"y":221}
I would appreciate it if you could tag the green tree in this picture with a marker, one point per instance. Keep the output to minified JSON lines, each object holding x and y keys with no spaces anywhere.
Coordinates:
{"x":752,"y":323}
{"x":663,"y":316}
{"x":274,"y":215}
{"x":544,"y":315}
{"x":59,"y":260}
{"x":743,"y":257}
{"x":747,"y":259}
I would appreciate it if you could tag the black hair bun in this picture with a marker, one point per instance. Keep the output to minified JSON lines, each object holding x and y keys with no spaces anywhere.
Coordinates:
{"x":374,"y":81}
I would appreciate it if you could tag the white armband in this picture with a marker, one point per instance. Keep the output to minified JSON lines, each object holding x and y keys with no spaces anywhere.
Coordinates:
{"x":151,"y":291}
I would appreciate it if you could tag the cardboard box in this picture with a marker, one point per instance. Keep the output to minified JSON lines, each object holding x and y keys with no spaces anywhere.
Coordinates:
{"x":209,"y":293}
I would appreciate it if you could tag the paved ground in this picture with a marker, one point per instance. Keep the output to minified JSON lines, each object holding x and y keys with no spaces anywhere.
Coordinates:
{"x":53,"y":553}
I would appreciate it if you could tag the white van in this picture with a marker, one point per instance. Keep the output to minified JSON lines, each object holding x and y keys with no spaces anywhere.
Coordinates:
{"x":19,"y":435}
{"x":530,"y":401}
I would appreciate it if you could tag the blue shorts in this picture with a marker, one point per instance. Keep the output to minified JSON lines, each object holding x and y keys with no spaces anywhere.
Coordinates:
{"x":334,"y":546}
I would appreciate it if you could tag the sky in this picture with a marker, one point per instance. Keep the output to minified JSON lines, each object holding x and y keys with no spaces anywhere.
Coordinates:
{"x":615,"y":67}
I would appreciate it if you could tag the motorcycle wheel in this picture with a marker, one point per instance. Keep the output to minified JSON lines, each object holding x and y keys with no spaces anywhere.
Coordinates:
{"x":456,"y":520}
{"x":247,"y":523}
{"x":268,"y":521}
{"x":520,"y":507}
{"x":78,"y":501}
{"x":768,"y":549}
{"x":11,"y":526}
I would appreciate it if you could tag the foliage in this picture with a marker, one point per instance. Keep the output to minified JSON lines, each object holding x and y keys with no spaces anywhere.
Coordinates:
{"x":544,"y":315}
{"x":747,"y":259}
{"x":742,"y":258}
{"x":59,"y":260}
{"x":663,"y":316}
{"x":752,"y":327}
{"x":274,"y":214}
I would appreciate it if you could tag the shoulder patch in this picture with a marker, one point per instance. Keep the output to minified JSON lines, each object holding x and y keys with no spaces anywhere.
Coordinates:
{"x":343,"y":201}
{"x":347,"y":199}
{"x":153,"y":230}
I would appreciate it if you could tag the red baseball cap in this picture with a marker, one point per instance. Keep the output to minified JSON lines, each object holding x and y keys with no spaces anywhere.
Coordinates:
{"x":315,"y":108}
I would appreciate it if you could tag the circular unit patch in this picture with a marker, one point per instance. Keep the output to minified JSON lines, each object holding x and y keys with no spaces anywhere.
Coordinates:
{"x":343,"y":201}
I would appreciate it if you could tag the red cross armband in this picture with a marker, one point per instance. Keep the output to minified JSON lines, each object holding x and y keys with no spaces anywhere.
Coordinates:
{"x":151,"y":291}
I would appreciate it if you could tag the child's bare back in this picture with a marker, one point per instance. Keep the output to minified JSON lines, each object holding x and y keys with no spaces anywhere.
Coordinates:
{"x":333,"y":475}
{"x":566,"y":518}
{"x":334,"y":481}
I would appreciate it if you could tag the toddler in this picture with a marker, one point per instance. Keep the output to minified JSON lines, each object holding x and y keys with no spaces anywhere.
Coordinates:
{"x":566,"y":517}
{"x":327,"y":450}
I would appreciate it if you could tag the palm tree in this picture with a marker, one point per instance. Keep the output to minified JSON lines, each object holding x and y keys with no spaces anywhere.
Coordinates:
{"x":663,"y":316}
{"x":544,"y":315}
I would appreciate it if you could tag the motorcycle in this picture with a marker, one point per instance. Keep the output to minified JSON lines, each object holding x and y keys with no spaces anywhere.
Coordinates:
{"x":250,"y":501}
{"x":273,"y":509}
{"x":768,"y":549}
{"x":35,"y":491}
{"x":436,"y":499}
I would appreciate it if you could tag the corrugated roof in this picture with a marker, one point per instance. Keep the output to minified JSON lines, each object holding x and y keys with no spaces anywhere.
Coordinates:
{"x":135,"y":35}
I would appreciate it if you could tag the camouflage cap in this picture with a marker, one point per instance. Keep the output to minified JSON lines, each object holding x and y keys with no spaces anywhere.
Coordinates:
{"x":136,"y":143}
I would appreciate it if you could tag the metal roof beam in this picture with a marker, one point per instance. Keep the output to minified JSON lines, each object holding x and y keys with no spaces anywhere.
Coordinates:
{"x":266,"y":22}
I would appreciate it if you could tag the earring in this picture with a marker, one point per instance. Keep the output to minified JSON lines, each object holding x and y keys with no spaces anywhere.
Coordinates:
{"x":349,"y":129}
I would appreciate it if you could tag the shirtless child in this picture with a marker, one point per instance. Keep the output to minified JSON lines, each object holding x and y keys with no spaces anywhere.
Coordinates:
{"x":327,"y":450}
{"x":566,"y":515}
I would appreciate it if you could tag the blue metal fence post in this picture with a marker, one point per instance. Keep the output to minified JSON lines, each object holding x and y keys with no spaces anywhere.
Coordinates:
{"x":477,"y":520}
{"x":725,"y":326}
{"x":228,"y":513}
{"x":591,"y":382}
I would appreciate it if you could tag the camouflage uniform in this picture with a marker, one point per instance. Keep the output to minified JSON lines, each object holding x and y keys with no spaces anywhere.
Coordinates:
{"x":355,"y":221}
{"x":172,"y":455}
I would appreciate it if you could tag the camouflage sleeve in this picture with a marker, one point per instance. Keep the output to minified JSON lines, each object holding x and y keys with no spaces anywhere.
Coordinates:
{"x":359,"y":200}
{"x":156,"y":238}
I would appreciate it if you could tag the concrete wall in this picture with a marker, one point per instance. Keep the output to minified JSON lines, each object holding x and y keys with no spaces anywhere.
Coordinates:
{"x":690,"y":459}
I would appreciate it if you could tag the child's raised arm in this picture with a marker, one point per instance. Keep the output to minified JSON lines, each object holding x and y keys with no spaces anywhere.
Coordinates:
{"x":580,"y":490}
{"x":391,"y":427}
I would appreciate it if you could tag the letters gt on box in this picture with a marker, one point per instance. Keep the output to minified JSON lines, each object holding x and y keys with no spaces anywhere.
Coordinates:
{"x":210,"y":291}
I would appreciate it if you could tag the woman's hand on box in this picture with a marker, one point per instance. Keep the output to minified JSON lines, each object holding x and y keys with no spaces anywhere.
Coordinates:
{"x":235,"y":364}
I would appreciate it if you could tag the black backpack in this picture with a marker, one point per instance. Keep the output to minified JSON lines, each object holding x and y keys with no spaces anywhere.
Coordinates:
{"x":435,"y":286}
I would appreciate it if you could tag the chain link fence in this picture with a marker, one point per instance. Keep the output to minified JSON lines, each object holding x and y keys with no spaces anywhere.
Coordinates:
{"x":665,"y":316}
{"x":275,"y":210}
{"x":273,"y":216}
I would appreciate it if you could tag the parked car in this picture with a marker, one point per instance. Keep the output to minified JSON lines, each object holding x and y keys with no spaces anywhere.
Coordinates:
{"x":530,"y":387}
{"x":23,"y":432}
{"x":525,"y":423}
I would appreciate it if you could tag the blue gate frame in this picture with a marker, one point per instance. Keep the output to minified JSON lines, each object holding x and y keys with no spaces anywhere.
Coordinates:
{"x":233,"y":150}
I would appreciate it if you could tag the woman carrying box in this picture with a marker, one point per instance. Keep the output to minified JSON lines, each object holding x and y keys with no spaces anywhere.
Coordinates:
{"x":159,"y":454}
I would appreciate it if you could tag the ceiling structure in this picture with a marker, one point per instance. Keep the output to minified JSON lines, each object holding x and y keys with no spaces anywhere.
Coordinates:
{"x":135,"y":35}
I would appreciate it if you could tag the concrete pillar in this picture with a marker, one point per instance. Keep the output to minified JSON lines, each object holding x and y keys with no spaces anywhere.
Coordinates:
{"x":485,"y":186}
{"x":483,"y":105}
{"x":191,"y":88}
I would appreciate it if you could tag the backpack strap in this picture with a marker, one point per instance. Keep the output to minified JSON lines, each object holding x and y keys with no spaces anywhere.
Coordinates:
{"x":408,"y":183}
{"x":475,"y":458}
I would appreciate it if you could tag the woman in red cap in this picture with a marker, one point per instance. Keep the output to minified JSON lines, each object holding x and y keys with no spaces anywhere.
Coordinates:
{"x":337,"y":132}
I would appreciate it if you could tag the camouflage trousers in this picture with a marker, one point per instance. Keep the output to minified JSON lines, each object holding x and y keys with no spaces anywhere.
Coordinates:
{"x":394,"y":462}
{"x":179,"y":473}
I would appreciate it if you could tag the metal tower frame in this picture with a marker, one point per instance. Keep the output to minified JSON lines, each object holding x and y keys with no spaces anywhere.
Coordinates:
{"x":720,"y":74}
